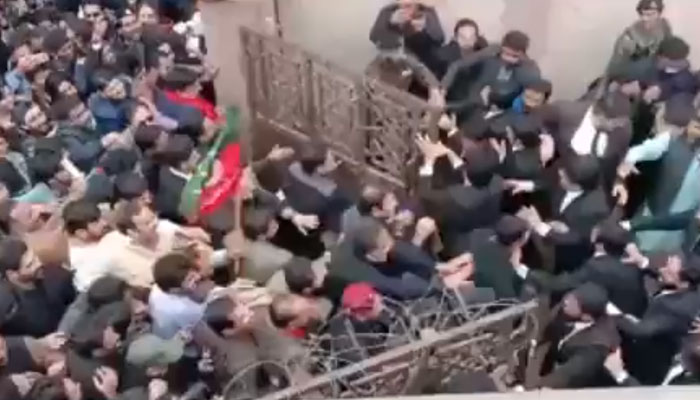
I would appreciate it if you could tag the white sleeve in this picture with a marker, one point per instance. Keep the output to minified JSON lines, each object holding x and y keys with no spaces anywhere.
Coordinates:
{"x":650,"y":149}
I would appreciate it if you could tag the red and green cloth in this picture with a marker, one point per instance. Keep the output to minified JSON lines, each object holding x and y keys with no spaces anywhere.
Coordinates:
{"x":218,"y":175}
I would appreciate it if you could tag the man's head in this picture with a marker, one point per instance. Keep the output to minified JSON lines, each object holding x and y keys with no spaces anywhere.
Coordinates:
{"x":586,"y":303}
{"x":84,"y":221}
{"x":131,"y":186}
{"x":313,"y":157}
{"x":59,"y":85}
{"x":512,"y":231}
{"x":130,"y":26}
{"x":374,"y":202}
{"x":580,"y":173}
{"x":680,"y":272}
{"x":611,"y":111}
{"x":677,"y":112}
{"x":301,"y":277}
{"x":481,"y":167}
{"x":372,"y":240}
{"x":362,"y":302}
{"x":536,"y":94}
{"x":466,"y":33}
{"x":226,"y":317}
{"x":672,"y":56}
{"x":650,"y":12}
{"x":611,"y":238}
{"x":92,"y":10}
{"x":175,"y":273}
{"x":154,"y":354}
{"x":514,"y":47}
{"x":137,"y":221}
{"x":32,"y":119}
{"x":73,"y":111}
{"x":18,"y":263}
{"x":294,"y":311}
{"x":148,"y":13}
{"x":259,"y":223}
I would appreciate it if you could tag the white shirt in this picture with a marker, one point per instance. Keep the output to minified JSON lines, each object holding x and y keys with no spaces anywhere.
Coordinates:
{"x":88,"y":263}
{"x":569,"y":198}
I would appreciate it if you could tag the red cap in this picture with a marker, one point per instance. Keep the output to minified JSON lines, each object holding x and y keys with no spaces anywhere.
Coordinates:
{"x":359,"y":297}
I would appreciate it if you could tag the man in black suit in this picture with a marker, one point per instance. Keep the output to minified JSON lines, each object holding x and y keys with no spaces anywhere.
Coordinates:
{"x":579,"y":204}
{"x":656,"y":338}
{"x":623,"y":282}
{"x":461,"y":207}
{"x":584,"y":336}
{"x":498,"y":257}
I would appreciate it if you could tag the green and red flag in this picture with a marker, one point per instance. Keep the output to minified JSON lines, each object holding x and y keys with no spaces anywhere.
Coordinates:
{"x":218,"y":175}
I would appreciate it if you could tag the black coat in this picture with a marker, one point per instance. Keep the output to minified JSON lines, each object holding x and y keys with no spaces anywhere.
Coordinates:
{"x":574,"y":247}
{"x":623,"y":282}
{"x":459,"y":209}
{"x":580,"y":356}
{"x":656,"y":338}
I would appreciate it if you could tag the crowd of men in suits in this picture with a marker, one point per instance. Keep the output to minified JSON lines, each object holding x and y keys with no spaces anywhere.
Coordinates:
{"x":592,"y":203}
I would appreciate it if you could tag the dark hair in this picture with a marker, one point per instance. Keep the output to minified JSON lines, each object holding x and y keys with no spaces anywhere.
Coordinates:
{"x":280,"y":312}
{"x":62,"y":107}
{"x":53,"y":83}
{"x":674,"y":48}
{"x":44,"y":166}
{"x":466,"y":22}
{"x":583,"y":171}
{"x":613,"y":237}
{"x":79,"y":214}
{"x":97,"y":3}
{"x":256,"y":220}
{"x":117,"y":161}
{"x":365,"y":235}
{"x":124,"y":215}
{"x":180,"y":78}
{"x":129,"y":186}
{"x":298,"y":274}
{"x":105,"y":290}
{"x":509,"y":229}
{"x":541,"y":86}
{"x":614,"y":105}
{"x":11,"y":252}
{"x":312,"y":156}
{"x":650,"y":5}
{"x":170,"y":271}
{"x":527,"y":129}
{"x":516,"y":40}
{"x":370,"y":197}
{"x":216,"y":315}
{"x":177,"y":150}
{"x":481,"y":166}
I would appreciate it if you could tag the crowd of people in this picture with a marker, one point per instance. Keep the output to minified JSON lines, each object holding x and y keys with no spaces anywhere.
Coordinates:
{"x":111,"y":289}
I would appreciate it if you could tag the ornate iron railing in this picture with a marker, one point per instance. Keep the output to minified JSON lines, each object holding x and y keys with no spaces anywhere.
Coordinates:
{"x":367,"y":123}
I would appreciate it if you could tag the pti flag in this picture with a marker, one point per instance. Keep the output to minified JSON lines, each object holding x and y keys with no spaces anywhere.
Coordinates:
{"x":218,"y":174}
